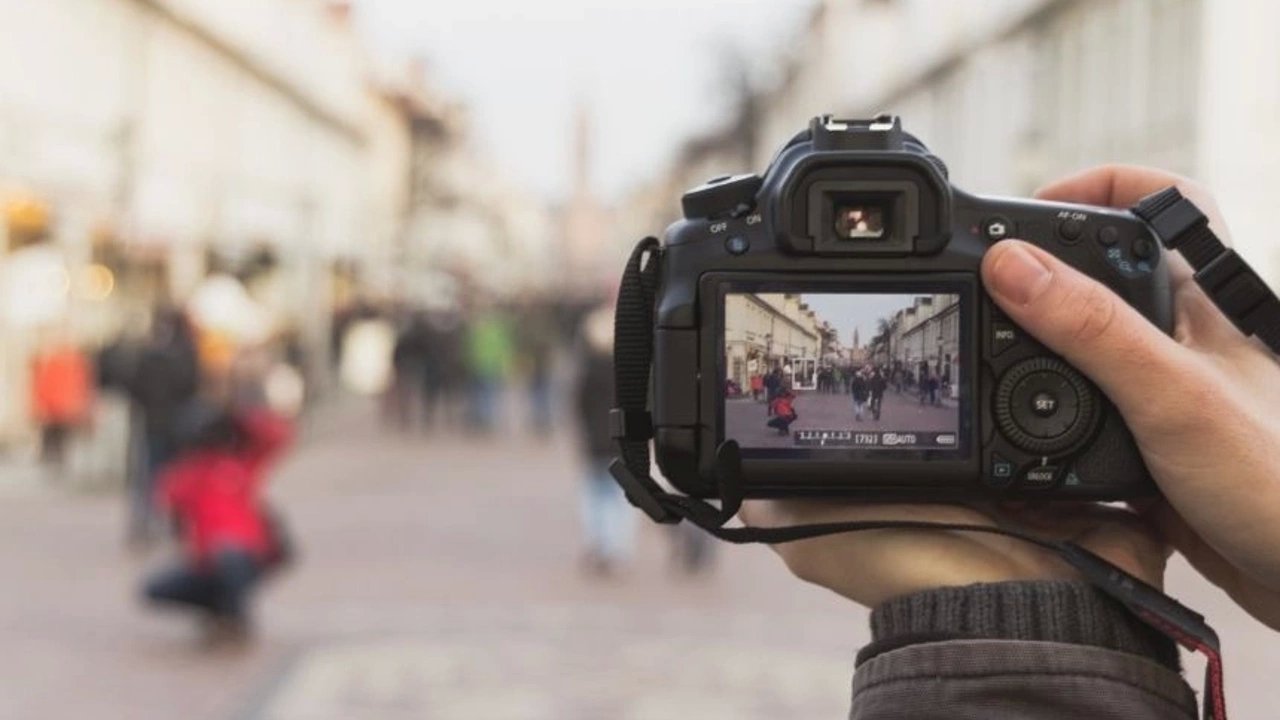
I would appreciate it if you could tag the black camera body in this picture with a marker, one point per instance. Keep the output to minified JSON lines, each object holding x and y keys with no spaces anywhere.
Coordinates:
{"x":829,"y":318}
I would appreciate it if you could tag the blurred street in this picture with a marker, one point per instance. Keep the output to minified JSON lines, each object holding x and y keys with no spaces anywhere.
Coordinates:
{"x":439,"y":578}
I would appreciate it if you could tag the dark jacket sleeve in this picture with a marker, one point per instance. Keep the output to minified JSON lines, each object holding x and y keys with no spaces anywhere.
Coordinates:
{"x":1021,"y":651}
{"x":594,"y":400}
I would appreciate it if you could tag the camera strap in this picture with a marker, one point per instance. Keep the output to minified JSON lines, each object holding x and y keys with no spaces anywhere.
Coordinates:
{"x":1229,"y":281}
{"x":1226,"y":278}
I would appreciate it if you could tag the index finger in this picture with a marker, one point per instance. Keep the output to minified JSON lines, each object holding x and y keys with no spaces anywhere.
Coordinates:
{"x":1112,"y":185}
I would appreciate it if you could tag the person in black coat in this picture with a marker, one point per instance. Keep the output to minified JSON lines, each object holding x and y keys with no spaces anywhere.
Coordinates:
{"x":878,"y":384}
{"x":607,"y":517}
{"x":861,"y":391}
{"x":163,"y":381}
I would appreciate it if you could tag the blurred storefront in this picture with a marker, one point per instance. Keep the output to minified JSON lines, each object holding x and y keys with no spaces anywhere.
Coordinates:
{"x":146,"y":145}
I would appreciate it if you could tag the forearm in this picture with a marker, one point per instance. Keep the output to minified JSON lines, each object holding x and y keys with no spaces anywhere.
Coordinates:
{"x":1029,"y":651}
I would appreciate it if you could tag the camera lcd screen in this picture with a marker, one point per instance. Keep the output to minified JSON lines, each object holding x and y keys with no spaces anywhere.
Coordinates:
{"x":844,"y":371}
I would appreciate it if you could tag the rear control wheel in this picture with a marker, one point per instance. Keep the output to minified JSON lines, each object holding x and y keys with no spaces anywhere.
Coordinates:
{"x":1044,"y":406}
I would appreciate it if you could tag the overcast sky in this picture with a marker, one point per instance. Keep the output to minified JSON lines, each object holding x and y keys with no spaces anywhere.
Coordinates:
{"x":649,"y":70}
{"x":846,"y":312}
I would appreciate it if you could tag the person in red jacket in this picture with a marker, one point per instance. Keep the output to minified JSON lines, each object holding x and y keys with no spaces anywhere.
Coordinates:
{"x":213,"y":491}
{"x":61,"y":397}
{"x":783,"y":409}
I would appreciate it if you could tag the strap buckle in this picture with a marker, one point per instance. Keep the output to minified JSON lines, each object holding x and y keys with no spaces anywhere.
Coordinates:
{"x":1170,"y":215}
{"x":1233,"y":286}
{"x":642,"y":494}
{"x":630,"y":425}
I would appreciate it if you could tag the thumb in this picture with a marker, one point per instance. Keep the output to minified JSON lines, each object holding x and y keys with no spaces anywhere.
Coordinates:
{"x":1082,"y":320}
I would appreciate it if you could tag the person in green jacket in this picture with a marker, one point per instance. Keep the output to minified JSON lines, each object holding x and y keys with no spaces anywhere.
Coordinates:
{"x":490,"y":356}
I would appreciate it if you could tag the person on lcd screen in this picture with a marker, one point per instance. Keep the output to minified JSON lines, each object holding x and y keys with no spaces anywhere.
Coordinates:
{"x":876,"y":386}
{"x":860,"y":388}
{"x":772,"y":386}
{"x":782,"y":411}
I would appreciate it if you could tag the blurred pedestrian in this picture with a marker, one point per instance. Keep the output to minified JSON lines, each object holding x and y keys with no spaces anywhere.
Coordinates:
{"x":165,"y":378}
{"x":444,"y":372}
{"x":62,"y":394}
{"x":213,"y":492}
{"x":490,"y":354}
{"x":538,"y":341}
{"x":404,"y":396}
{"x":607,"y":518}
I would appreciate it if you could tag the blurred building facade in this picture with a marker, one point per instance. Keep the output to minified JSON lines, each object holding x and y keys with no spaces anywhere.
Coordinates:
{"x":147,"y":143}
{"x":1015,"y":92}
{"x":1012,"y":93}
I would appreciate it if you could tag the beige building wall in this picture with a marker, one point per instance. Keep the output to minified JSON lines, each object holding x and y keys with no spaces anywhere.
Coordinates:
{"x":1013,"y":93}
{"x":765,"y":330}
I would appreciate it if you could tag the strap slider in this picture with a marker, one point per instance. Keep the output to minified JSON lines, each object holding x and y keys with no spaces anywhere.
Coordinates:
{"x":1236,"y":289}
{"x":630,"y":425}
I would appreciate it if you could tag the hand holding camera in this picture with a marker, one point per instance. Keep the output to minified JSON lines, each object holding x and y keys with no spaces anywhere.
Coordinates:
{"x":1203,"y":407}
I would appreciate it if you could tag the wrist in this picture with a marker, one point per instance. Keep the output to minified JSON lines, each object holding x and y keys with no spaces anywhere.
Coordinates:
{"x":1059,"y":611}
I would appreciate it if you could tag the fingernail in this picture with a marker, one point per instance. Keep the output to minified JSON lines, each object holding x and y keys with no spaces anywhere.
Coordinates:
{"x":1018,"y":275}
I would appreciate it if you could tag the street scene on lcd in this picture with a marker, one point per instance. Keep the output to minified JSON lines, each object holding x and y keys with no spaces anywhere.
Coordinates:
{"x":842,"y":370}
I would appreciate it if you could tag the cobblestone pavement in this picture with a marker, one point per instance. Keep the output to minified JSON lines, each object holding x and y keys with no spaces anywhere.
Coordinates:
{"x":745,"y":418}
{"x":439,"y":578}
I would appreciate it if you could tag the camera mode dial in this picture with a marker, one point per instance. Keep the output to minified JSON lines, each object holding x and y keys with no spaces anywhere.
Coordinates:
{"x":724,"y":196}
{"x":1044,"y":406}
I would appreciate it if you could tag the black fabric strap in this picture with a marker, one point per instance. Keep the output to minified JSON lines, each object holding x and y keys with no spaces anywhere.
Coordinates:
{"x":1230,"y":282}
{"x":1179,"y":224}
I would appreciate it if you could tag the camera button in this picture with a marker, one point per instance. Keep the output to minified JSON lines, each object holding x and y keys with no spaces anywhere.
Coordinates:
{"x":1143,"y":248}
{"x":1041,"y":477}
{"x":720,"y":197}
{"x":1003,"y":336}
{"x":737,"y":244}
{"x":1044,"y":404}
{"x":1070,"y":230}
{"x":1002,"y":471}
{"x":1108,"y":236}
{"x":997,"y":228}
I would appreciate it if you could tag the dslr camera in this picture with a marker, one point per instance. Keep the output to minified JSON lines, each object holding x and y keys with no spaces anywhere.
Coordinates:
{"x":828,"y":318}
